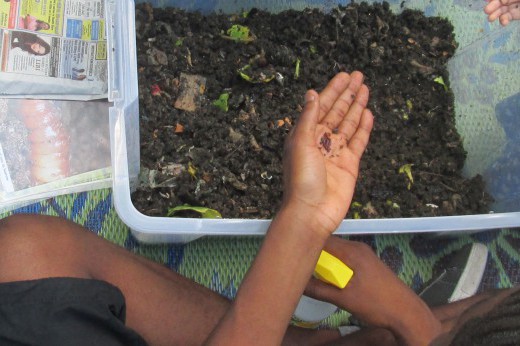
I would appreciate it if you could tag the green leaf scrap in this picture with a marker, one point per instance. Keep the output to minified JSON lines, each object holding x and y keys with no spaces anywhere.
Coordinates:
{"x":244,"y":75}
{"x":440,"y":81}
{"x":239,"y":33}
{"x":409,"y":105}
{"x":356,"y":205}
{"x":250,"y":79}
{"x":407,"y":169}
{"x":222,"y":102}
{"x":392,"y":204}
{"x":192,"y":170}
{"x":206,"y":213}
{"x":297,"y":69}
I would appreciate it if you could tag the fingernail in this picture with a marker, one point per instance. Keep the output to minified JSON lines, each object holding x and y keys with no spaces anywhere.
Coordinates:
{"x":309,"y":97}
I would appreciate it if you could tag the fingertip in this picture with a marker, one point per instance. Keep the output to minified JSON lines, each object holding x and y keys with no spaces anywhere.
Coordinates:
{"x":368,"y":117}
{"x":311,"y":96}
{"x":342,"y":75}
{"x":504,"y":20}
{"x":340,"y":81}
{"x":358,"y":74}
{"x":311,"y":101}
{"x":310,"y":113}
{"x":363,"y":95}
{"x":363,"y":89}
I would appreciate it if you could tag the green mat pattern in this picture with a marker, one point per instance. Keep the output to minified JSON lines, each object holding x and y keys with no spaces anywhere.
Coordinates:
{"x":221,"y":262}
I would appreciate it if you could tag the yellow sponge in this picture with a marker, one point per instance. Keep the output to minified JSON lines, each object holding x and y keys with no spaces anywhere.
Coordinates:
{"x":331,"y":270}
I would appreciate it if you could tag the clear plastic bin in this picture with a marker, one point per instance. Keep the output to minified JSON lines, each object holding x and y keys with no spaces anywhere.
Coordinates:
{"x":483,"y":74}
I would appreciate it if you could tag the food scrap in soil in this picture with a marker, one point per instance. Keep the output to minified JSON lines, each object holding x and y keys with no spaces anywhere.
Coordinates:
{"x":229,"y":157}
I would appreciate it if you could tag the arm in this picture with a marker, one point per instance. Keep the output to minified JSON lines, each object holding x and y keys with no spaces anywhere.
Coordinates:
{"x":319,"y":184}
{"x":377,"y":296}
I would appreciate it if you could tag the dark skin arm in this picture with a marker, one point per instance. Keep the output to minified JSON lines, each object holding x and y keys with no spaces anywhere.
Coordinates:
{"x":318,"y":188}
{"x":376,"y":295}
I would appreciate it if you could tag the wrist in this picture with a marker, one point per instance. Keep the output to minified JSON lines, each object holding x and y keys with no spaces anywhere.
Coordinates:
{"x":306,"y":220}
{"x":309,"y":218}
{"x":418,"y":327}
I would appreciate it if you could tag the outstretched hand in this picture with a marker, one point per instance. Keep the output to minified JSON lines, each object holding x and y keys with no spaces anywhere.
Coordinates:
{"x":323,"y":151}
{"x":503,"y":10}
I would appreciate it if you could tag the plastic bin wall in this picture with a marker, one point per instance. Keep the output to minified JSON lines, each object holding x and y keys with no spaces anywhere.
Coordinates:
{"x":483,"y":74}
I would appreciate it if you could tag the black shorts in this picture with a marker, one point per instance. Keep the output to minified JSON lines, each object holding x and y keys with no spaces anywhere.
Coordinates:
{"x":64,"y":311}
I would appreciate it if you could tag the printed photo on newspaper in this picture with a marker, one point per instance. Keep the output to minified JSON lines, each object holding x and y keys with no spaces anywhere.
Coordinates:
{"x":53,"y":49}
{"x":47,"y":141}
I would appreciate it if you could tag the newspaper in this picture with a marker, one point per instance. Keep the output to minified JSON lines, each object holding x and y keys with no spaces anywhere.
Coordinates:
{"x":49,"y":145}
{"x":53,"y":49}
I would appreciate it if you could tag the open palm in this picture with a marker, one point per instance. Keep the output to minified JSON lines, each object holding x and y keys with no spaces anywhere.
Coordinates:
{"x":324,"y":149}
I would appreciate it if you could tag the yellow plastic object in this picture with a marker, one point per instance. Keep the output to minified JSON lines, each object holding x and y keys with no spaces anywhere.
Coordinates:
{"x":331,"y":270}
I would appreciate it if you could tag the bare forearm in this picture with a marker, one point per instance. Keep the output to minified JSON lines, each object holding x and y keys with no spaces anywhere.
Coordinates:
{"x":285,"y":260}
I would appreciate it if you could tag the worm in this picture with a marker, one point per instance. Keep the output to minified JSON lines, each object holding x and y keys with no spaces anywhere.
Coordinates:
{"x":49,"y":141}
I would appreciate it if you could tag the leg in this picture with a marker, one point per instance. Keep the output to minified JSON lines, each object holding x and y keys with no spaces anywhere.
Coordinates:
{"x":162,"y":306}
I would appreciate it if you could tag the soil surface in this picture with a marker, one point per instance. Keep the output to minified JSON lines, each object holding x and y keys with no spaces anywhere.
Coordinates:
{"x":195,"y":152}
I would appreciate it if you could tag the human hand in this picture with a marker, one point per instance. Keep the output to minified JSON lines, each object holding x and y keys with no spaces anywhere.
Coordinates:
{"x":376,"y":295}
{"x":504,"y":10}
{"x":323,"y":151}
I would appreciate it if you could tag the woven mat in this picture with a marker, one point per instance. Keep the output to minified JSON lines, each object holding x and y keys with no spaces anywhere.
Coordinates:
{"x":220,"y":263}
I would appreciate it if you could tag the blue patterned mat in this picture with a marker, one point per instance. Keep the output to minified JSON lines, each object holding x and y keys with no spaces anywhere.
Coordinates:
{"x":220,"y":263}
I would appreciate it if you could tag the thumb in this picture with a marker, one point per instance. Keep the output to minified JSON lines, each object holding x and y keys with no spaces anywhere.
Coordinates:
{"x":308,"y":120}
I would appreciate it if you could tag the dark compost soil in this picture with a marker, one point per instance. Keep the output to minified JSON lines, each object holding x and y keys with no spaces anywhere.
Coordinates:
{"x":231,"y":160}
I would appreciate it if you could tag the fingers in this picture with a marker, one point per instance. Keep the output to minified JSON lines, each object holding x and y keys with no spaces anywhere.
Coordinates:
{"x":359,"y":141}
{"x":330,"y":94}
{"x":513,"y":12}
{"x":491,"y":7}
{"x":320,"y":290}
{"x":495,"y":14}
{"x":308,"y":120}
{"x":456,"y":309}
{"x":350,"y":122}
{"x":335,"y":112}
{"x":504,"y":10}
{"x":505,"y":19}
{"x":345,"y":98}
